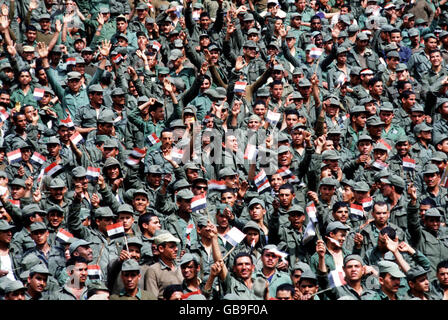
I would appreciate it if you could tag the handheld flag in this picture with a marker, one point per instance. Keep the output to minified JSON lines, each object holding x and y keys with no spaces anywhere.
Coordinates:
{"x":93,"y":173}
{"x":68,"y":122}
{"x":53,"y":169}
{"x":38,"y":93}
{"x":153,"y":139}
{"x":63,"y":235}
{"x":14,"y":156}
{"x":3,"y":115}
{"x":115,"y":230}
{"x":367,"y":203}
{"x":336,"y":278}
{"x":94,"y":272}
{"x":71,"y":61}
{"x":273,"y":117}
{"x":198,"y":202}
{"x":76,"y":138}
{"x":262,"y":182}
{"x":251,"y":152}
{"x":37,"y":158}
{"x":357,"y":210}
{"x":177,"y":154}
{"x":316,"y":52}
{"x":240,"y":86}
{"x":234,"y":236}
{"x":216,"y":185}
{"x":408,"y":164}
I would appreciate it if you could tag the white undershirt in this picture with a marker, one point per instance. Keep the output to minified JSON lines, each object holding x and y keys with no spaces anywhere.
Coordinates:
{"x":6,"y":265}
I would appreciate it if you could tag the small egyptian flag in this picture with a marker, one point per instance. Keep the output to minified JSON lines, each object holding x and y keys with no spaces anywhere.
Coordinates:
{"x":93,"y":173}
{"x":94,"y":272}
{"x":64,"y":236}
{"x":115,"y":230}
{"x":38,"y":93}
{"x":251,"y":152}
{"x":117,"y":58}
{"x":76,"y":138}
{"x":311,"y":211}
{"x":3,"y":115}
{"x":71,"y":60}
{"x":408,"y":164}
{"x":68,"y":122}
{"x":316,"y":52}
{"x":234,"y":236}
{"x":240,"y":86}
{"x":310,"y":232}
{"x":262,"y":182}
{"x":15,"y":202}
{"x":153,"y":139}
{"x":367,"y":203}
{"x":198,"y":202}
{"x":216,"y":185}
{"x":156,"y":45}
{"x":53,"y":169}
{"x":14,"y":156}
{"x":273,"y":117}
{"x":37,"y":158}
{"x":357,"y":210}
{"x":380,"y":165}
{"x":336,"y":278}
{"x":177,"y":154}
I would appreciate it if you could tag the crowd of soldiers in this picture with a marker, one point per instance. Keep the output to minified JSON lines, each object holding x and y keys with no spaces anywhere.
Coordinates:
{"x":223,"y":150}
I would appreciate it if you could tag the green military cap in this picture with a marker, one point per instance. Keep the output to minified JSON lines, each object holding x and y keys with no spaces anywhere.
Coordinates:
{"x":48,"y":90}
{"x":341,"y":49}
{"x":343,"y":34}
{"x":282,"y":137}
{"x":366,"y":99}
{"x":441,"y":101}
{"x":55,"y":208}
{"x":157,"y":233}
{"x":352,"y":28}
{"x":374,"y":121}
{"x":176,"y":32}
{"x":220,"y":207}
{"x":329,"y":182}
{"x":5,"y":226}
{"x":302,"y":266}
{"x":181,"y":183}
{"x":249,"y":44}
{"x":140,"y":191}
{"x":213,"y":46}
{"x":163,"y":70}
{"x":80,"y":60}
{"x":402,"y":139}
{"x":290,"y":34}
{"x":296,"y":209}
{"x":355,"y":71}
{"x":188,"y":257}
{"x":57,"y":183}
{"x":110,"y":162}
{"x":15,"y":285}
{"x":297,"y":71}
{"x":334,"y":101}
{"x":198,"y":5}
{"x":20,"y":144}
{"x":204,"y":34}
{"x":439,"y":138}
{"x":443,"y":34}
{"x":78,"y":243}
{"x":283,"y":149}
{"x":248,"y":17}
{"x":135,"y":241}
{"x":409,"y":16}
{"x":73,"y":75}
{"x":361,"y":186}
{"x":79,"y":172}
{"x":18,"y":182}
{"x":297,"y":126}
{"x":327,"y":38}
{"x":86,"y":50}
{"x":154,"y":169}
{"x":304,"y":82}
{"x":178,"y":43}
{"x":357,"y":109}
{"x":394,"y":180}
{"x":351,"y":257}
{"x":39,"y":268}
{"x":44,"y":16}
{"x":415,"y":272}
{"x":430,"y":168}
{"x":365,"y":137}
{"x":278,"y":67}
{"x":84,"y":213}
{"x":165,"y":237}
{"x":257,"y":201}
{"x":334,"y":131}
{"x":393,"y":54}
{"x":251,"y":225}
{"x":433,"y":213}
{"x":178,"y":123}
{"x":401,"y":67}
{"x":413,"y":32}
{"x":422,"y":127}
{"x":104,"y":212}
{"x":348,"y":182}
{"x":38,"y":226}
{"x":421,"y":21}
{"x":130,"y":265}
{"x":149,"y":20}
{"x":439,"y":156}
{"x":254,"y":117}
{"x":117,"y":92}
{"x":3,"y":174}
{"x":391,"y":268}
{"x":429,"y":35}
{"x":141,"y":6}
{"x":227,"y":171}
{"x":336,"y":225}
{"x":106,"y":116}
{"x":175,"y":54}
{"x":125,"y":208}
{"x":32,"y":209}
{"x":362,"y":36}
{"x":263,"y":92}
{"x":185,"y":194}
{"x":5,"y":65}
{"x":104,"y":9}
{"x":308,"y":274}
{"x":190,"y":109}
{"x":110,"y":143}
{"x":294,"y":15}
{"x":330,"y":155}
{"x":345,"y":19}
{"x":386,"y":106}
{"x":381,"y":174}
{"x":202,"y":221}
{"x":309,"y":47}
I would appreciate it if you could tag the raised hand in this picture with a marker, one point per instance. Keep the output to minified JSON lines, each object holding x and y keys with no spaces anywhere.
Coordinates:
{"x":105,"y":48}
{"x":240,"y":63}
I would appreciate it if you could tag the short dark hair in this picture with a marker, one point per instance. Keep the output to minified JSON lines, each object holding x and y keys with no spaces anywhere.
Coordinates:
{"x":74,"y":260}
{"x":286,"y":287}
{"x":243,"y":254}
{"x":287,"y":186}
{"x":428,"y":201}
{"x":406,"y":94}
{"x":380,"y":203}
{"x":391,"y":233}
{"x":145,"y":218}
{"x":339,"y":204}
{"x":168,"y":292}
{"x":442,"y":264}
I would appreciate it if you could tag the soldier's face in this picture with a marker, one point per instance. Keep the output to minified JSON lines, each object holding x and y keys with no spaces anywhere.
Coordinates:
{"x":243,"y":268}
{"x":297,"y":219}
{"x":17,"y":192}
{"x":285,"y":196}
{"x":276,"y":181}
{"x":380,"y":213}
{"x":389,"y":284}
{"x":189,"y":270}
{"x":257,"y":212}
{"x":130,"y":279}
{"x":222,"y":221}
{"x":127,"y":219}
{"x":228,"y":197}
{"x":308,"y":287}
{"x":5,"y":237}
{"x":168,"y":250}
{"x":341,"y":214}
{"x":79,"y":273}
{"x":16,"y":295}
{"x":140,"y":202}
{"x":403,"y":148}
{"x":153,"y":225}
{"x":284,"y":159}
{"x":38,"y":282}
{"x":431,"y":179}
{"x":420,"y":284}
{"x":39,"y":237}
{"x":58,"y":193}
{"x":326,"y":192}
{"x":269,"y":259}
{"x":291,"y":121}
{"x":347,"y":194}
{"x":353,"y":270}
{"x":432,"y":223}
{"x":442,"y":276}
